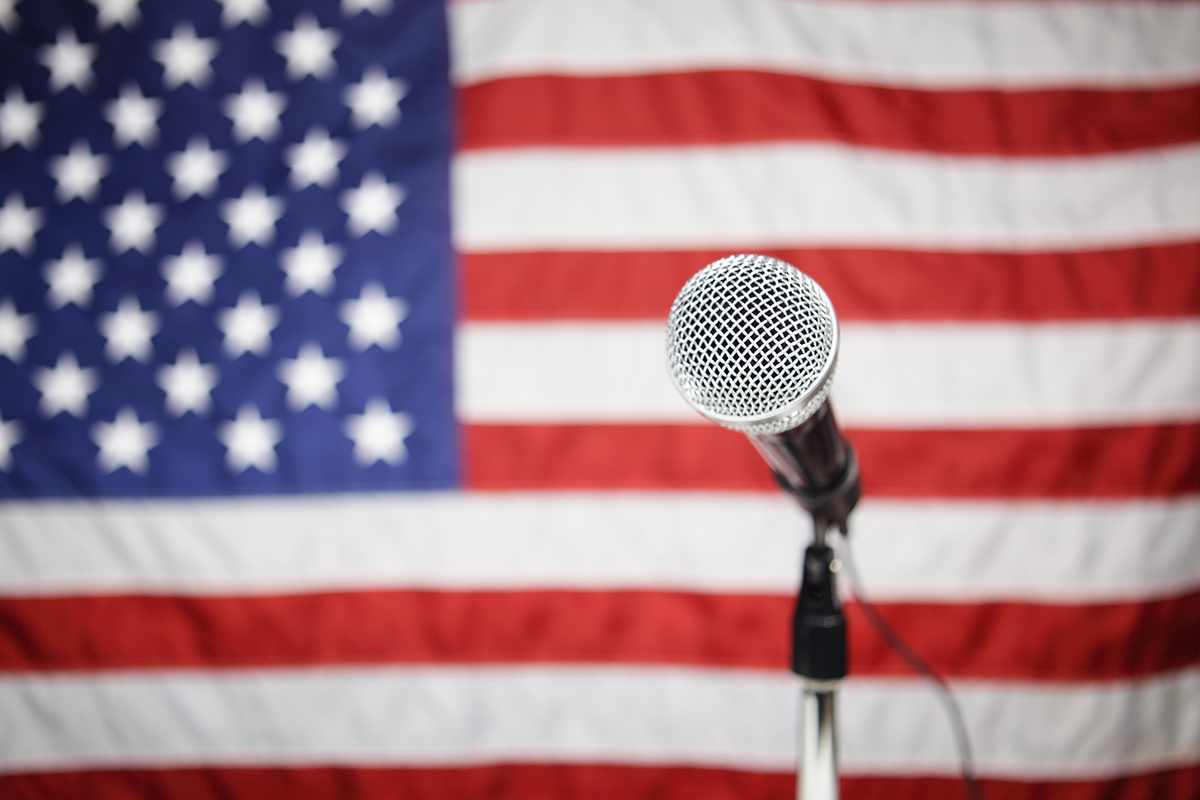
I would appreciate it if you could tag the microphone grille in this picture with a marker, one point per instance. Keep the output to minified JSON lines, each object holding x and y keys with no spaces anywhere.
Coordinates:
{"x":752,"y":344}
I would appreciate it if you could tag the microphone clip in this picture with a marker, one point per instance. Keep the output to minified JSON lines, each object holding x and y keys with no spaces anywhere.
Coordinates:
{"x":831,"y":505}
{"x":818,"y":622}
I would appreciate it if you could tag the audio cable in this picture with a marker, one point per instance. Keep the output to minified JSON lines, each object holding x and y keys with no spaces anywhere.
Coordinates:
{"x":921,"y":667}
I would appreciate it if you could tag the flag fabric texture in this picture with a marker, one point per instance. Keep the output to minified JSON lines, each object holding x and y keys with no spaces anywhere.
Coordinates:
{"x":338,"y":457}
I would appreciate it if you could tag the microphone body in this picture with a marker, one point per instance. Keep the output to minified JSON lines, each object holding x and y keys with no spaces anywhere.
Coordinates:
{"x":752,"y":344}
{"x":815,"y":463}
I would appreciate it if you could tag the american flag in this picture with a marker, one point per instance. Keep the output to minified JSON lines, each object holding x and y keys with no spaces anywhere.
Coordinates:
{"x":338,"y":456}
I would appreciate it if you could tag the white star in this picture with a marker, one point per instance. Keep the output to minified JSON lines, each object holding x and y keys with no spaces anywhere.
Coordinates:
{"x":374,"y":318}
{"x":78,"y":173}
{"x":69,"y":62}
{"x":315,"y":160}
{"x":250,"y":440}
{"x":252,"y":217}
{"x":375,"y":100}
{"x":185,"y":58}
{"x":376,"y":7}
{"x":310,"y":264}
{"x":9,"y":20}
{"x":128,"y":331}
{"x":190,"y":274}
{"x":188,"y":384}
{"x":311,"y":378}
{"x":255,"y":111}
{"x":125,"y":442}
{"x":66,"y":387}
{"x":11,"y":435}
{"x":15,"y":330}
{"x":248,"y":325}
{"x":117,"y":12}
{"x":235,"y":12}
{"x":379,"y":433}
{"x":308,"y":49}
{"x":71,"y":278}
{"x":196,"y":169}
{"x":133,"y":223}
{"x":372,"y":206}
{"x":18,"y":225}
{"x":19,"y":120}
{"x":134,"y":117}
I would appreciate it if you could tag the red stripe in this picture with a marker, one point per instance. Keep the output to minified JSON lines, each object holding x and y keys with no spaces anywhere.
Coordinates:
{"x":723,"y":107}
{"x":551,"y":782}
{"x":107,"y":632}
{"x":1027,"y":641}
{"x":1159,"y":281}
{"x":1152,"y":460}
{"x":992,"y":640}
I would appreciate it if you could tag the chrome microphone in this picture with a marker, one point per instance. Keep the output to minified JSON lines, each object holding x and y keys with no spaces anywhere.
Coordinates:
{"x":752,"y":344}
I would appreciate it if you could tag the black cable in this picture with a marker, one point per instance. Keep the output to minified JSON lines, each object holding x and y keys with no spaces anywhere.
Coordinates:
{"x":920,"y":666}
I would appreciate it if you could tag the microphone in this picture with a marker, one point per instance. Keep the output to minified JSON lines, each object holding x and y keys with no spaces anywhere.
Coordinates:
{"x":752,"y":344}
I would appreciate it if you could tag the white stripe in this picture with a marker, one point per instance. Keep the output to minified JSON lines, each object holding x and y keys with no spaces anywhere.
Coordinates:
{"x":928,"y":44}
{"x":692,"y":541}
{"x":894,"y":375}
{"x":1089,"y":551}
{"x":1023,"y":731}
{"x":448,"y":715}
{"x":787,"y":194}
{"x":549,"y":372}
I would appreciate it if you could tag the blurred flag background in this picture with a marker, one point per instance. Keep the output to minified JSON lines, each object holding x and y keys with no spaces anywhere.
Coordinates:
{"x":338,"y":457}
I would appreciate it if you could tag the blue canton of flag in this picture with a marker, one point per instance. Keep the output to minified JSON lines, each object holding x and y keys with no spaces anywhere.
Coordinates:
{"x":225,"y":261}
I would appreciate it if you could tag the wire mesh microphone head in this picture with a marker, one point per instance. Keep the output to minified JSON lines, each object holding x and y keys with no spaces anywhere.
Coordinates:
{"x":752,"y":344}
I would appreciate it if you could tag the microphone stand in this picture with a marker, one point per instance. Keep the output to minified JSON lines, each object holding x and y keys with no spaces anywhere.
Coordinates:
{"x":819,"y":658}
{"x":819,"y":468}
{"x":819,"y":632}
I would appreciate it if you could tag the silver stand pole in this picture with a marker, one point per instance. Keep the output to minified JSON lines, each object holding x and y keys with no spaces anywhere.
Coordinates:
{"x":818,"y":778}
{"x":819,"y":658}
